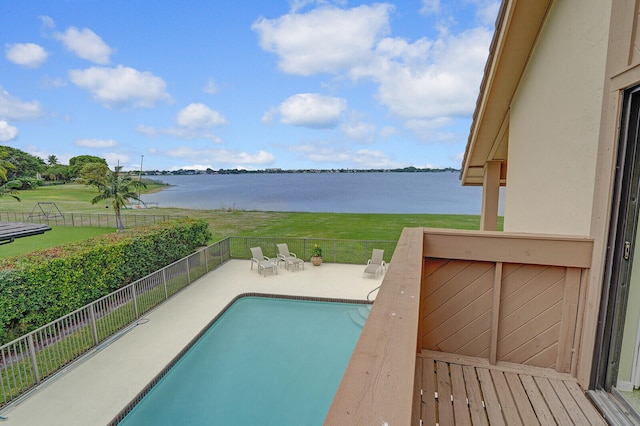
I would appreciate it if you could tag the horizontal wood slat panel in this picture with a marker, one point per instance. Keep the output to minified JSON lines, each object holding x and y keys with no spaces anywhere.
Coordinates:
{"x":508,"y":247}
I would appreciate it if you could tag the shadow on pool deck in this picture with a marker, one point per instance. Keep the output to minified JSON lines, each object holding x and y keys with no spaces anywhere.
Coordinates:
{"x":95,"y":389}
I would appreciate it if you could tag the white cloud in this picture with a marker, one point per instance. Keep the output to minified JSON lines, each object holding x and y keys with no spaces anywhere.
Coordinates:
{"x":7,"y":132}
{"x":199,"y":116}
{"x":374,"y":159}
{"x":52,"y":83}
{"x":445,"y":82}
{"x":147,"y":130}
{"x":326,"y":39}
{"x":488,"y":11}
{"x":430,"y":6}
{"x":269,"y":116}
{"x":96,"y":143}
{"x":190,"y":134}
{"x":221,"y":156}
{"x":420,"y":80}
{"x":362,"y":132}
{"x":115,"y":158}
{"x":28,"y":55}
{"x":121,"y":86}
{"x":388,"y":131}
{"x":47,"y":22}
{"x":360,"y":159}
{"x":193,"y":122}
{"x":86,"y":44}
{"x":211,"y":88}
{"x":312,"y":110}
{"x":12,"y":108}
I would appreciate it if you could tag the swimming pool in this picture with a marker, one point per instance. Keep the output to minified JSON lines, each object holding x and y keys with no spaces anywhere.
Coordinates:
{"x":267,"y":361}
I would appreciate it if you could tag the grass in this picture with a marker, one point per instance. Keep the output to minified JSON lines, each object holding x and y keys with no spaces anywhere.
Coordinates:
{"x":228,"y":222}
{"x":57,"y":236}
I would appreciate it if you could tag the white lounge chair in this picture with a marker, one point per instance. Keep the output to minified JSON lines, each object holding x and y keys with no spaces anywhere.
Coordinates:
{"x":376,"y":264}
{"x":289,"y":259}
{"x":264,"y":263}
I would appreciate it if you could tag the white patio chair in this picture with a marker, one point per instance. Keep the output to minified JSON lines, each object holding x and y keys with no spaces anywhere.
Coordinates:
{"x":376,"y":264}
{"x":264,"y":263}
{"x":290,"y":259}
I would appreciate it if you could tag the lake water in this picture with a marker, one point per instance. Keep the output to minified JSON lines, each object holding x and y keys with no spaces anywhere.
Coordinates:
{"x":439,"y":192}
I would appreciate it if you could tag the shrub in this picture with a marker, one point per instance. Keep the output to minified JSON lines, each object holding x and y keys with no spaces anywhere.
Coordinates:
{"x":44,"y":285}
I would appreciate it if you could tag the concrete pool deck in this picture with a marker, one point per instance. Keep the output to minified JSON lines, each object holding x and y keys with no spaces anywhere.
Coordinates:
{"x":94,"y":390}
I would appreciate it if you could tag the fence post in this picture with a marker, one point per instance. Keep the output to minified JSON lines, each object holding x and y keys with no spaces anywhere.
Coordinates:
{"x":135,"y":299}
{"x":304,"y":248}
{"x":164,"y":282}
{"x":227,"y":247}
{"x":335,"y":251}
{"x":188,"y":270}
{"x":94,"y":323}
{"x":206,"y":258}
{"x":366,"y":250}
{"x":34,"y":361}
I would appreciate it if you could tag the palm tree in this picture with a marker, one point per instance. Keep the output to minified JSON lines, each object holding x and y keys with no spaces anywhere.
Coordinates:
{"x":52,"y":160}
{"x":119,"y":188}
{"x":7,"y":188}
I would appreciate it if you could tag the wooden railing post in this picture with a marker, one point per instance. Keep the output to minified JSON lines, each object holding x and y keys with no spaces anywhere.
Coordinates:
{"x":495,"y":312}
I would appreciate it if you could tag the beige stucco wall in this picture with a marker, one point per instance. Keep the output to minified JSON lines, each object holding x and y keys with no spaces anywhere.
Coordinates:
{"x":554,"y":123}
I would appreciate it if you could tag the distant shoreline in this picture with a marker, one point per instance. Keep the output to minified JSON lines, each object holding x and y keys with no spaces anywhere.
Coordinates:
{"x":284,"y":171}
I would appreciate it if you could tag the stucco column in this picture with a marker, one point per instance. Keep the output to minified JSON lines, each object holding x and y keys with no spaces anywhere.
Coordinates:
{"x":490,"y":196}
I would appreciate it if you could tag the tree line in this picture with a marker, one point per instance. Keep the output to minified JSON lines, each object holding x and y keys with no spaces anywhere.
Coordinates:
{"x":21,"y":171}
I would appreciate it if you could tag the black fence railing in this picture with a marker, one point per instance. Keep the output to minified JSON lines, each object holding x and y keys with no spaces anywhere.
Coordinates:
{"x":27,"y":361}
{"x":99,"y":220}
{"x":333,"y":251}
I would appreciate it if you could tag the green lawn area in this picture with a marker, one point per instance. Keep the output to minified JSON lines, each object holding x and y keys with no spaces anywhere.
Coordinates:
{"x":57,"y":236}
{"x":356,"y":226}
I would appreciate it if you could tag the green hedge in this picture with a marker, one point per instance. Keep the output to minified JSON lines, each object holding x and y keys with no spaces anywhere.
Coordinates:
{"x":42,"y":286}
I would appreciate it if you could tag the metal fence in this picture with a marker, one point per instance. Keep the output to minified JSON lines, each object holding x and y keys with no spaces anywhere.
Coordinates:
{"x":104,"y":220}
{"x":333,"y":251}
{"x":28,"y":360}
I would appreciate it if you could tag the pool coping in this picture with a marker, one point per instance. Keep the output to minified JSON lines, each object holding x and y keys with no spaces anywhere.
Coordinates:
{"x":136,"y":400}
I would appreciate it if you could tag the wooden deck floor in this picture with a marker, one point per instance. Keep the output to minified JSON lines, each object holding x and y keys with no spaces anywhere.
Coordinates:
{"x":469,"y":391}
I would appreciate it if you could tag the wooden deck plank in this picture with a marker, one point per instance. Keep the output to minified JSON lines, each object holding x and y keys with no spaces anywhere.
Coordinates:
{"x":429,"y":392}
{"x":476,"y":406}
{"x":537,"y":401}
{"x":574,"y":411}
{"x":508,"y":405}
{"x":554,"y":403}
{"x":586,"y":406}
{"x":473,"y":392}
{"x":416,"y":414}
{"x":492,"y":405}
{"x":521,"y":399}
{"x":445,"y":407}
{"x":501,"y":365}
{"x":459,"y":391}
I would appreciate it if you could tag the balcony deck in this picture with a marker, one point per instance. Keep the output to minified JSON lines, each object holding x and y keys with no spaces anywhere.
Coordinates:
{"x":458,"y":390}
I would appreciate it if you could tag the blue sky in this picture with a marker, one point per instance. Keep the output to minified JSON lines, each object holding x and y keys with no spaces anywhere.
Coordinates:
{"x":244,"y":83}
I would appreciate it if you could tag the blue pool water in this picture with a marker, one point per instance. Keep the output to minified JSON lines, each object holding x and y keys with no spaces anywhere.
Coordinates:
{"x":264,"y":361}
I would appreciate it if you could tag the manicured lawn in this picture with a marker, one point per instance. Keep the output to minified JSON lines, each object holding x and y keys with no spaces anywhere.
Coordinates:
{"x":57,"y":236}
{"x":76,"y":198}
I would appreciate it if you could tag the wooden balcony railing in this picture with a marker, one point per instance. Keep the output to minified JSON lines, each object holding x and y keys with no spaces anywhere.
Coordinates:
{"x":504,"y":297}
